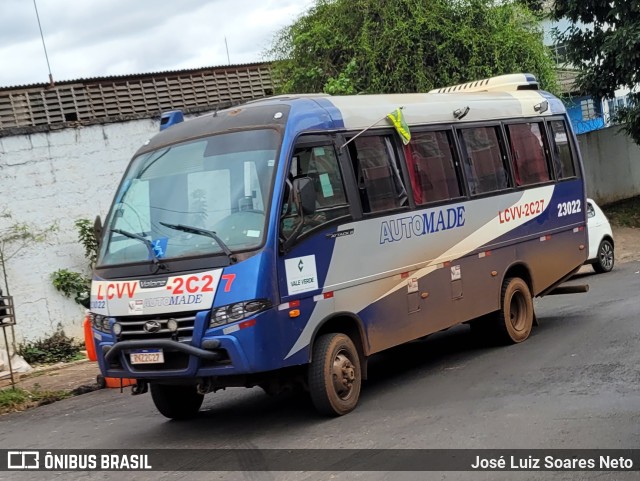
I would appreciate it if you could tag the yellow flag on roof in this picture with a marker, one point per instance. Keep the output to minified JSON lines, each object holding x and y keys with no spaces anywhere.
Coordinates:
{"x":397,"y":119}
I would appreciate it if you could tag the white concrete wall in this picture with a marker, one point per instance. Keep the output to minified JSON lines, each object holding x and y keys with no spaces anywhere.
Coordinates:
{"x":612,"y":165}
{"x":56,"y":178}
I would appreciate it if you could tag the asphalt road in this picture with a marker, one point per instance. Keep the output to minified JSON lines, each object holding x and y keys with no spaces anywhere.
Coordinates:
{"x":573,"y":384}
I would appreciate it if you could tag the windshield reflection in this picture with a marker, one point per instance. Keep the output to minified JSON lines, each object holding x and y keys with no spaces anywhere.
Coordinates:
{"x":216,"y":189}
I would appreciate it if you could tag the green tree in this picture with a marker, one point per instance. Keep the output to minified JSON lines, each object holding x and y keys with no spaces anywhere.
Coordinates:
{"x":380,"y":46}
{"x":536,"y":6}
{"x":603,"y":43}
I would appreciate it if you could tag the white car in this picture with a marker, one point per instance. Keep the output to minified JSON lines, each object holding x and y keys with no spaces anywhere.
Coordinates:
{"x":600,"y":239}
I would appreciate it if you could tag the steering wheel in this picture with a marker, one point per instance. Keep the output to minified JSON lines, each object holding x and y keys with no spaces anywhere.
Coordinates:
{"x":232,"y":229}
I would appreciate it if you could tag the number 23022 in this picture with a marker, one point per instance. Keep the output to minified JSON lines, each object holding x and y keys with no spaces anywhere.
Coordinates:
{"x":568,"y":208}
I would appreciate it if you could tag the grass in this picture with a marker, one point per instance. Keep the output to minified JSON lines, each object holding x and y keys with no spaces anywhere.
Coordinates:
{"x":19,"y":399}
{"x":625,"y":213}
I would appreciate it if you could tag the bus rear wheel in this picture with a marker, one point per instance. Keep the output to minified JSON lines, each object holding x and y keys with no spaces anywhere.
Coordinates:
{"x":335,"y":375}
{"x":514,"y":320}
{"x":176,"y":402}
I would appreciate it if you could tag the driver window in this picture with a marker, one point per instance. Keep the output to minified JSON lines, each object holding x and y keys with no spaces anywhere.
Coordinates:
{"x":319,"y":163}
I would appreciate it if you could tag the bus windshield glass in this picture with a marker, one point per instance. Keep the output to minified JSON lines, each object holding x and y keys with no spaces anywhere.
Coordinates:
{"x":198,"y":198}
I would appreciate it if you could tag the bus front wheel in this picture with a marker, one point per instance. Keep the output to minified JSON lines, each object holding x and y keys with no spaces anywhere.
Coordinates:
{"x":514,"y":320}
{"x":176,"y":401}
{"x":334,"y":375}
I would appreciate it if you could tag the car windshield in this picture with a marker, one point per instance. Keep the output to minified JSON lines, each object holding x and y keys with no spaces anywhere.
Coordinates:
{"x":174,"y":198}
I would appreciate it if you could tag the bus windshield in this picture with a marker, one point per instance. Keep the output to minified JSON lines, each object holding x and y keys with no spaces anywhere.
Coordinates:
{"x":203,"y":197}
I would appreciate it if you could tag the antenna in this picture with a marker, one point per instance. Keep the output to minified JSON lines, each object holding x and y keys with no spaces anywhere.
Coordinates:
{"x":43,"y":44}
{"x":225,"y":44}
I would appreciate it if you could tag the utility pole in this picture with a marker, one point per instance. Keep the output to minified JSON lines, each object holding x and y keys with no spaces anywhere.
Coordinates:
{"x":226,"y":46}
{"x":46,"y":56}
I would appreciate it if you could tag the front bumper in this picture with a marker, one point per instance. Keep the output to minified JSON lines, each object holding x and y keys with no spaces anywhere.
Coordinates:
{"x":208,"y":353}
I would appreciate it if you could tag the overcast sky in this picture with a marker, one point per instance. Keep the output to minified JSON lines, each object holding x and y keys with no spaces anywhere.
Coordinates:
{"x":95,"y":38}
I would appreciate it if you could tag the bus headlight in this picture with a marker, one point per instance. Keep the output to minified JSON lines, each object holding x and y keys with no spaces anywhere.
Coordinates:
{"x":100,"y":322}
{"x":238,"y":311}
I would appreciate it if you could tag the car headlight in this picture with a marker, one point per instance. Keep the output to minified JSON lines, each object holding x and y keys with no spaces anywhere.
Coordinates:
{"x":238,"y":311}
{"x":100,"y":322}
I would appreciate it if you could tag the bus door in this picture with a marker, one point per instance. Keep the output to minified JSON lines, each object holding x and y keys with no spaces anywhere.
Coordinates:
{"x":307,"y":238}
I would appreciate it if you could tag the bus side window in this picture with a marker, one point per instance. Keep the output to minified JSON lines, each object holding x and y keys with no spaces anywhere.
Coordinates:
{"x":320,"y":163}
{"x":562,"y":157}
{"x":431,"y":164}
{"x":528,"y":152}
{"x":483,"y":160}
{"x":379,"y":179}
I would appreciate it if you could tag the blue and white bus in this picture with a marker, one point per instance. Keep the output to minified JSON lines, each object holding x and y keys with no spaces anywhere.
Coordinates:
{"x":284,"y":242}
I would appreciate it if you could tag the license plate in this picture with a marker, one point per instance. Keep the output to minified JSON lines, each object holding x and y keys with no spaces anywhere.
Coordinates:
{"x":147,"y":356}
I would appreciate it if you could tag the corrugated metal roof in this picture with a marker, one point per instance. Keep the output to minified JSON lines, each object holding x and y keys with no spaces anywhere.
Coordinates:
{"x":111,"y":78}
{"x":81,"y":101}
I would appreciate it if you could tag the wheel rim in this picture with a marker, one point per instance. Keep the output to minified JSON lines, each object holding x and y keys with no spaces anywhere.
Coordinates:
{"x":344,"y":375}
{"x":518,"y":311}
{"x":606,"y":256}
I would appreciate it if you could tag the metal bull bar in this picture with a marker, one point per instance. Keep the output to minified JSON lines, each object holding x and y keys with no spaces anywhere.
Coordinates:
{"x":111,"y":352}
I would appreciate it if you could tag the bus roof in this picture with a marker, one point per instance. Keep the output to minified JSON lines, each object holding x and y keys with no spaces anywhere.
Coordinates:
{"x":360,"y":111}
{"x":503,"y":97}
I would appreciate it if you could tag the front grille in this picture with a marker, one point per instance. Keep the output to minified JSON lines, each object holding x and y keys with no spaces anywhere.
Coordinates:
{"x":133,"y":327}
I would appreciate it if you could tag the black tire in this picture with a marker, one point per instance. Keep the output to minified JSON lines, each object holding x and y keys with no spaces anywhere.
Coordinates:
{"x":335,"y":377}
{"x":514,"y":320}
{"x":176,"y":402}
{"x":606,"y":259}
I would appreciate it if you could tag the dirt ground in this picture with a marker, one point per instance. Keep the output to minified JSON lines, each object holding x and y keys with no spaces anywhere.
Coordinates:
{"x":64,"y":377}
{"x":627,"y":244}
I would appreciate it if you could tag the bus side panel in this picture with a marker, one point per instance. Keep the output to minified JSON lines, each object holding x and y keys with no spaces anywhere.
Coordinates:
{"x":413,"y":273}
{"x":479,"y":282}
{"x":556,"y":240}
{"x":401,"y":315}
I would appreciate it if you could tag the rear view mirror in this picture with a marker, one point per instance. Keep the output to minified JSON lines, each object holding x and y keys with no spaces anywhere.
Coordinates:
{"x":97,"y":229}
{"x":305,"y":195}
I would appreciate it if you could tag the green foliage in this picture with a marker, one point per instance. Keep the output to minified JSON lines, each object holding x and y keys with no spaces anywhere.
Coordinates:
{"x":57,"y":348}
{"x":606,"y":52}
{"x":345,"y":83}
{"x":378,"y":46}
{"x":73,"y":285}
{"x":87,"y":238}
{"x":536,"y":6}
{"x":12,"y":399}
{"x":15,"y":236}
{"x":17,"y":399}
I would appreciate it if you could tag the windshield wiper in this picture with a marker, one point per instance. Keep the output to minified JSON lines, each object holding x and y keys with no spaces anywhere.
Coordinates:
{"x":203,"y":232}
{"x":146,"y":242}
